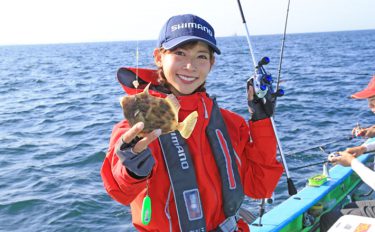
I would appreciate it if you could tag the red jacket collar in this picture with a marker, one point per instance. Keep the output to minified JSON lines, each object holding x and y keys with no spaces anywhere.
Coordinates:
{"x":191,"y":102}
{"x":126,"y":76}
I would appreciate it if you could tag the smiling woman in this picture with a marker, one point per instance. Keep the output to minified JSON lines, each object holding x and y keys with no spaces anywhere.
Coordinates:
{"x":217,"y":164}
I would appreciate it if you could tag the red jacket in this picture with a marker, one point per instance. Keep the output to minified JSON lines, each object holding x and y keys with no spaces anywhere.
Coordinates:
{"x":256,"y":161}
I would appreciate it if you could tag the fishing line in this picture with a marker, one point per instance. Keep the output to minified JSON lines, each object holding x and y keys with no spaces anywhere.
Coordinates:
{"x":136,"y":82}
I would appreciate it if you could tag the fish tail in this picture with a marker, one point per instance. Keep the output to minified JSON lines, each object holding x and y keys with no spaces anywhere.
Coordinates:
{"x":186,"y":127}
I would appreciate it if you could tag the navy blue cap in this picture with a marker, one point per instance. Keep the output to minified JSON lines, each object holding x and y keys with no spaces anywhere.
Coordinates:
{"x":185,"y":28}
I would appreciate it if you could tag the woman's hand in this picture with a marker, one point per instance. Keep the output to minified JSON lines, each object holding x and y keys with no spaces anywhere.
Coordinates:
{"x":134,"y":153}
{"x":130,"y":136}
{"x":259,"y":108}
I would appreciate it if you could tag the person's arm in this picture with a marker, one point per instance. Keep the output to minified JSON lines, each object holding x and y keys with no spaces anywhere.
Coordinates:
{"x":370,"y":133}
{"x":365,"y":173}
{"x":125,"y":167}
{"x":368,"y":147}
{"x":359,"y":150}
{"x":262,"y":170}
{"x":346,"y":159}
{"x":255,"y":148}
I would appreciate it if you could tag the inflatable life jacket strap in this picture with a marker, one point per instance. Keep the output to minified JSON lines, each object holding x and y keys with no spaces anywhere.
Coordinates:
{"x":229,"y":224}
{"x":246,"y":215}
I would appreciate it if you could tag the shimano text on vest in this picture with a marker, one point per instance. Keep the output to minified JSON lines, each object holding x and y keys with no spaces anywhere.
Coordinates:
{"x":180,"y":151}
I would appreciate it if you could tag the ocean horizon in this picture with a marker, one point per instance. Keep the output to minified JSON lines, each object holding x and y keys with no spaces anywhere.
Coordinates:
{"x":149,"y":40}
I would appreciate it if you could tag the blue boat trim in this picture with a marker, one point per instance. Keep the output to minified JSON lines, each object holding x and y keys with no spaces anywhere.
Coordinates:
{"x":283,"y":214}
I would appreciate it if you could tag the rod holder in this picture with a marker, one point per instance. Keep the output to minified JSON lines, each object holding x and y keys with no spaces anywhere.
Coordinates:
{"x":326,"y":170}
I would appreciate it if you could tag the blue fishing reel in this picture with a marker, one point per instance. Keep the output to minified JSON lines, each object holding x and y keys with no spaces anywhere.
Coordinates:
{"x":262,"y":81}
{"x":263,"y":104}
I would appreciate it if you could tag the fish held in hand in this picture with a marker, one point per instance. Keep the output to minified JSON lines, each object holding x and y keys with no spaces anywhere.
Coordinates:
{"x":157,"y":113}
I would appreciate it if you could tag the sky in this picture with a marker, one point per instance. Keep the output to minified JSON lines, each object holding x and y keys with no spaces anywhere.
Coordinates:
{"x":72,"y":21}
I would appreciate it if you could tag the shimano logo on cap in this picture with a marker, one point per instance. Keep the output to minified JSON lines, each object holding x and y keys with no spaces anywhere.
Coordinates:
{"x":191,"y":25}
{"x":181,"y":29}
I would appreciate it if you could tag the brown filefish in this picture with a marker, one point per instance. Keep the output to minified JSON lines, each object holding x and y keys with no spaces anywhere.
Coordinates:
{"x":157,"y":113}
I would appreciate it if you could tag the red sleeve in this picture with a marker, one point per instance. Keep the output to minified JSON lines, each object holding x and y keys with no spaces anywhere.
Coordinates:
{"x":256,"y":149}
{"x":119,"y":185}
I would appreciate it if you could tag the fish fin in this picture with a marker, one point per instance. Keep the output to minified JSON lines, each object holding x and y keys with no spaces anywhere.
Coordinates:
{"x":145,"y":90}
{"x":121,"y":101}
{"x":186,"y":127}
{"x":174,"y":103}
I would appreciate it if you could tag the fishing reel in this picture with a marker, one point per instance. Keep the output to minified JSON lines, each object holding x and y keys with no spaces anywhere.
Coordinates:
{"x":333,"y":155}
{"x":358,"y":132}
{"x":263,"y":104}
{"x":262,"y":81}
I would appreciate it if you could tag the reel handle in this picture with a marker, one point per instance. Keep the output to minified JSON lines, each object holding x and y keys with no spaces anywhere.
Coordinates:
{"x":264,"y":61}
{"x":278,"y":93}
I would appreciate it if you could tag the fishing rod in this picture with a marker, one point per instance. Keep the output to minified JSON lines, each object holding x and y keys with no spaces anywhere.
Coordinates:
{"x":343,"y":138}
{"x":321,"y":162}
{"x":282,"y":47}
{"x":318,"y":146}
{"x":330,"y":156}
{"x":262,"y":84}
{"x":308,"y":165}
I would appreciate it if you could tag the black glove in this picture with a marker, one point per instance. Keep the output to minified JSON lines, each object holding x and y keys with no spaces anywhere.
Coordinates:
{"x":138,"y":165}
{"x":258,"y":109}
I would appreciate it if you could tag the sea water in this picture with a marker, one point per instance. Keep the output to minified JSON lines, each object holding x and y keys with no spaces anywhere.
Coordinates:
{"x":58,"y":104}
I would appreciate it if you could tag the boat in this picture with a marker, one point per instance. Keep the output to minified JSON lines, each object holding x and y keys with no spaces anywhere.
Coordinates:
{"x":302,"y":211}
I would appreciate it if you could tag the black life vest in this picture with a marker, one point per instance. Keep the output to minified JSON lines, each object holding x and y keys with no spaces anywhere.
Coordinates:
{"x":183,"y":179}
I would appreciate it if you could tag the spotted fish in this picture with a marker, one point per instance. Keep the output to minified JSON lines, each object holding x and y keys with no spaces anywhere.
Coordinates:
{"x":157,"y":113}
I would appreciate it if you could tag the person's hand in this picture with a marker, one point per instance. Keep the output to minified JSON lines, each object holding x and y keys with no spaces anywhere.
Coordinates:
{"x":134,"y":153}
{"x":130,"y":137}
{"x":258,"y":108}
{"x":250,"y":92}
{"x":370,"y":132}
{"x":345,"y":159}
{"x":356,"y":151}
{"x":358,"y":131}
{"x":364,"y":132}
